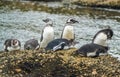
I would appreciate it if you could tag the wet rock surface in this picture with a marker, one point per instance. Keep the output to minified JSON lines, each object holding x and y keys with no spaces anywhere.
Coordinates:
{"x":57,"y":64}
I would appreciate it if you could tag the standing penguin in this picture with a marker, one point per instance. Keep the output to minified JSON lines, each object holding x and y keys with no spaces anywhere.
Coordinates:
{"x":31,"y":44}
{"x":98,"y":46}
{"x":68,"y":31}
{"x":12,"y":45}
{"x":47,"y":33}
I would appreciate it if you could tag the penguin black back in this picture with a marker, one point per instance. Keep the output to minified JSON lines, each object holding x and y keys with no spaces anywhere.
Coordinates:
{"x":31,"y":44}
{"x":91,"y":50}
{"x":57,"y":44}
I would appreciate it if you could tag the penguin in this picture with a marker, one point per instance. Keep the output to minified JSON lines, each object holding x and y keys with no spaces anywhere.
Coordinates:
{"x":102,"y":36}
{"x":58,"y":44}
{"x":98,"y":46}
{"x":47,"y":33}
{"x":31,"y":44}
{"x":68,"y":31}
{"x":12,"y":45}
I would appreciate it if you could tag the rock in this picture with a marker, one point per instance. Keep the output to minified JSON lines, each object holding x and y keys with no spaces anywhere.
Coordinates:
{"x":59,"y":64}
{"x":98,"y":3}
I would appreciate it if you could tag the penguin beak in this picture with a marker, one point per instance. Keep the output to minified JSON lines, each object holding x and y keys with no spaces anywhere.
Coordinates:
{"x":45,"y":20}
{"x":109,"y":37}
{"x":14,"y":42}
{"x":74,"y":21}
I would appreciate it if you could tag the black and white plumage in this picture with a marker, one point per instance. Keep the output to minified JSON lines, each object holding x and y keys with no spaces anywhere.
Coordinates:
{"x":12,"y":45}
{"x":98,"y":46}
{"x":58,"y":44}
{"x":47,"y":33}
{"x":31,"y":44}
{"x":102,"y":37}
{"x":68,"y":31}
{"x":92,"y":50}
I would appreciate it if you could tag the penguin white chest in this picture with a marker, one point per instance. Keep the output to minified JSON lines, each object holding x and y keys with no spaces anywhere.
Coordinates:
{"x":68,"y":32}
{"x":48,"y":35}
{"x":12,"y":48}
{"x":101,"y":39}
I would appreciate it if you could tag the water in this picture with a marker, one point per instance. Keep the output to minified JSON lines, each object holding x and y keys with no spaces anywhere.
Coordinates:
{"x":27,"y":25}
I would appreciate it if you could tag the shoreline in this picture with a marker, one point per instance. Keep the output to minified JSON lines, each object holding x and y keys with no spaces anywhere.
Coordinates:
{"x":84,"y":3}
{"x":112,"y":4}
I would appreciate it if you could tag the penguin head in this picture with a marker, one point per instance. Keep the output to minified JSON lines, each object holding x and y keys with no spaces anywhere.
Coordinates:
{"x":71,"y":21}
{"x":109,"y":33}
{"x":106,"y":33}
{"x":102,"y":36}
{"x":48,"y":21}
{"x":14,"y":42}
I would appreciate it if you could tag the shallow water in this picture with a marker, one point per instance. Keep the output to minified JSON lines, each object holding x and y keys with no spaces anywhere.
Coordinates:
{"x":29,"y":24}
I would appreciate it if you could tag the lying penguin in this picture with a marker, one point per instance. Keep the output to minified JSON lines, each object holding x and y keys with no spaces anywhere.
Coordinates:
{"x":98,"y":46}
{"x":47,"y":33}
{"x":31,"y":44}
{"x":12,"y":45}
{"x":58,"y":44}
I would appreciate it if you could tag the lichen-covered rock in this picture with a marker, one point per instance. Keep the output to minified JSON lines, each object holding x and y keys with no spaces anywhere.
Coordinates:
{"x":56,"y":64}
{"x":99,"y":3}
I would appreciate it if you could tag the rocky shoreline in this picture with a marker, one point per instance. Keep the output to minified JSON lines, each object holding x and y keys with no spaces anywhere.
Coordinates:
{"x":57,"y":64}
{"x":115,"y":4}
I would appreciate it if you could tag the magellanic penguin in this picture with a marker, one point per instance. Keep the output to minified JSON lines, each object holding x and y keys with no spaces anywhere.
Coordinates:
{"x":98,"y":46}
{"x":58,"y":44}
{"x":12,"y":45}
{"x":31,"y":44}
{"x":47,"y":33}
{"x":68,"y":31}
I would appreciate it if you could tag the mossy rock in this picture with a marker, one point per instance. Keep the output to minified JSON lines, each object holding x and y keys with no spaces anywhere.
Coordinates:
{"x":98,"y":3}
{"x":56,"y":64}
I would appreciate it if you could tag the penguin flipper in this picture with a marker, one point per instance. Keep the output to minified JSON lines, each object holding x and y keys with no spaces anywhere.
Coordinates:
{"x":59,"y":46}
{"x":37,"y":47}
{"x":41,"y":36}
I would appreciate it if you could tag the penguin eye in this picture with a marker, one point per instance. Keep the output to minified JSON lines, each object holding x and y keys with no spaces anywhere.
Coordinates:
{"x":71,"y":19}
